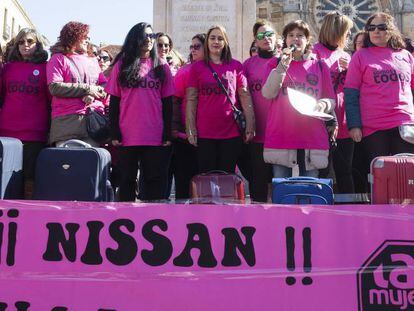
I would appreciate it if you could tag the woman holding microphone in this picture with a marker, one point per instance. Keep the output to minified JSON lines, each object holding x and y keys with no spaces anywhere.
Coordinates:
{"x":291,"y":137}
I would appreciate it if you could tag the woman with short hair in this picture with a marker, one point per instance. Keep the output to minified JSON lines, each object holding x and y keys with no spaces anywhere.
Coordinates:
{"x":210,"y":123}
{"x":75,"y":80}
{"x":378,"y":90}
{"x":26,"y":101}
{"x":293,"y":138}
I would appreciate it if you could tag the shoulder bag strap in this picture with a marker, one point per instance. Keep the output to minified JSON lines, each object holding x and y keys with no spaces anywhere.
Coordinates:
{"x":220,"y":84}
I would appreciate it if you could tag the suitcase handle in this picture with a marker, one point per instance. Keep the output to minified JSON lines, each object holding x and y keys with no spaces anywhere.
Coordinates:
{"x":75,"y":143}
{"x":404,"y":155}
{"x":215,"y":172}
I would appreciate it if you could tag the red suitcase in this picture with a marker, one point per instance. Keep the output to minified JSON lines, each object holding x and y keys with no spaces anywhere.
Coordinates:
{"x":392,"y":179}
{"x":217,"y":187}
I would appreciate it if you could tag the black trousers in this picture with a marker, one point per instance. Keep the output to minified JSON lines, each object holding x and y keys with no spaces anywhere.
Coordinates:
{"x":153,"y":162}
{"x":342,"y":157}
{"x":261,"y":173}
{"x":360,"y":169}
{"x":218,"y":154}
{"x":384,"y":143}
{"x":185,"y":167}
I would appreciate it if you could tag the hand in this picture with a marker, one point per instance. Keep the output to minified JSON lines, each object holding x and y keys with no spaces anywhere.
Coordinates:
{"x":356,"y":134}
{"x":286,"y":58}
{"x":320,"y":106}
{"x":192,"y":139}
{"x":166,"y":143}
{"x":116,"y":143}
{"x":249,"y":136}
{"x":343,"y":64}
{"x":88,"y":99}
{"x":97,"y":91}
{"x":333,"y":132}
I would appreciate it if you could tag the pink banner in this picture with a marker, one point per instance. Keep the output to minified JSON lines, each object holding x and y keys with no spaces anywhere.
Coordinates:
{"x":111,"y":256}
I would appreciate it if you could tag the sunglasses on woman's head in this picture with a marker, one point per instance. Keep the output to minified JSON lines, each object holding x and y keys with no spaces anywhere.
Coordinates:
{"x":381,"y":27}
{"x":195,"y":47}
{"x":262,"y":35}
{"x":29,"y":42}
{"x":163,"y":45}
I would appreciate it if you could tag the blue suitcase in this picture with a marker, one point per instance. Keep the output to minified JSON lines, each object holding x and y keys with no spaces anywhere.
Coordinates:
{"x":75,"y":172}
{"x":302,"y":190}
{"x":11,"y":168}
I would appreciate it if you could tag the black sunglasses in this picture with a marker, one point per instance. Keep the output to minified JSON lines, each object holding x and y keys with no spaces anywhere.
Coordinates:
{"x":29,"y":42}
{"x":163,"y":45}
{"x":381,"y":27}
{"x":195,"y":47}
{"x":104,"y":58}
{"x":150,"y":36}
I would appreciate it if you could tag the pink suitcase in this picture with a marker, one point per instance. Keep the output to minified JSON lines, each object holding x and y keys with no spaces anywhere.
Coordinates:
{"x":217,"y":187}
{"x":392,"y":179}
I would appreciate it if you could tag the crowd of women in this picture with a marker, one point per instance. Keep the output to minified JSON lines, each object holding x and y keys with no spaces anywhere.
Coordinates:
{"x":172,"y":119}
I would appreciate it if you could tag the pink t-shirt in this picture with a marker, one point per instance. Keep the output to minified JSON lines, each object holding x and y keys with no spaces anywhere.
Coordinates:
{"x":287,"y":128}
{"x":140,"y":118}
{"x":257,"y":70}
{"x":60,"y":69}
{"x":181,"y":83}
{"x":25,"y":111}
{"x":384,"y":78}
{"x":338,"y":80}
{"x":214,"y":114}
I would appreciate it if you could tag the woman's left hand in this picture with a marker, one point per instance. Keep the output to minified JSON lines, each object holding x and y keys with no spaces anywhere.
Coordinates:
{"x":249,"y":136}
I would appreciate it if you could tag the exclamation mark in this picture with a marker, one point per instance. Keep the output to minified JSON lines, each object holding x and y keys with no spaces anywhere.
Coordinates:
{"x":307,"y":255}
{"x":1,"y":237}
{"x":11,"y":246}
{"x":290,"y":249}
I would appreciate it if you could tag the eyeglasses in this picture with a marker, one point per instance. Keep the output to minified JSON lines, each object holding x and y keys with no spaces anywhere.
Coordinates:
{"x":163,"y":45}
{"x":262,"y":35}
{"x":195,"y":47}
{"x":104,"y":58}
{"x":28,"y":41}
{"x":380,"y":27}
{"x":150,"y":36}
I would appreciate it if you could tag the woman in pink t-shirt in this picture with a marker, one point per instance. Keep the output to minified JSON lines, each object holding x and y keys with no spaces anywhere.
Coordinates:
{"x":26,"y":100}
{"x":75,"y":81}
{"x":333,"y":38}
{"x":165,"y":49}
{"x":141,"y":88}
{"x":293,"y":138}
{"x":256,"y":69}
{"x":378,"y":90}
{"x":209,"y":116}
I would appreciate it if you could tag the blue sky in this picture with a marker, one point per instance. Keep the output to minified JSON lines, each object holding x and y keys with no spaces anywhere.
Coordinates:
{"x":109,"y":20}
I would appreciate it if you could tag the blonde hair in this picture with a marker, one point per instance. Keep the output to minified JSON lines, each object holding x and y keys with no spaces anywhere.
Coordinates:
{"x":226,"y":53}
{"x":334,"y":29}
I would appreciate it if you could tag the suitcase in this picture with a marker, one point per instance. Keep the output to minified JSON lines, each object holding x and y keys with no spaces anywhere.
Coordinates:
{"x":302,"y":190}
{"x":75,"y":172}
{"x":11,"y":168}
{"x":217,"y":187}
{"x":392,"y":179}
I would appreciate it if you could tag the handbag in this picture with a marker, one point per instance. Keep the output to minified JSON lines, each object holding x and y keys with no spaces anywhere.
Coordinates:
{"x":238,"y":115}
{"x":407,"y":132}
{"x":97,"y":125}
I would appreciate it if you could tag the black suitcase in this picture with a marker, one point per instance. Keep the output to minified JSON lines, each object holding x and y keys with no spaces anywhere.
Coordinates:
{"x":11,"y":168}
{"x":75,"y":172}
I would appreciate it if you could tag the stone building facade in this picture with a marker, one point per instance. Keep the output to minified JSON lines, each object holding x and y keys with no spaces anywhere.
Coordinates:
{"x":280,"y":12}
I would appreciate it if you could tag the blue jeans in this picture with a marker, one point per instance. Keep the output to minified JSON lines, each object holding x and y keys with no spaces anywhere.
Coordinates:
{"x":280,"y":171}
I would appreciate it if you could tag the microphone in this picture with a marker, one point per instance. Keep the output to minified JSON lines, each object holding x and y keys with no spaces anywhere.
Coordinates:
{"x":290,"y":50}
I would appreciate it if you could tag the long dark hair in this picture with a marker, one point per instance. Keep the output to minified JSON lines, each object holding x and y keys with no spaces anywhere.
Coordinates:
{"x":395,"y":40}
{"x":38,"y":57}
{"x":130,"y":54}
